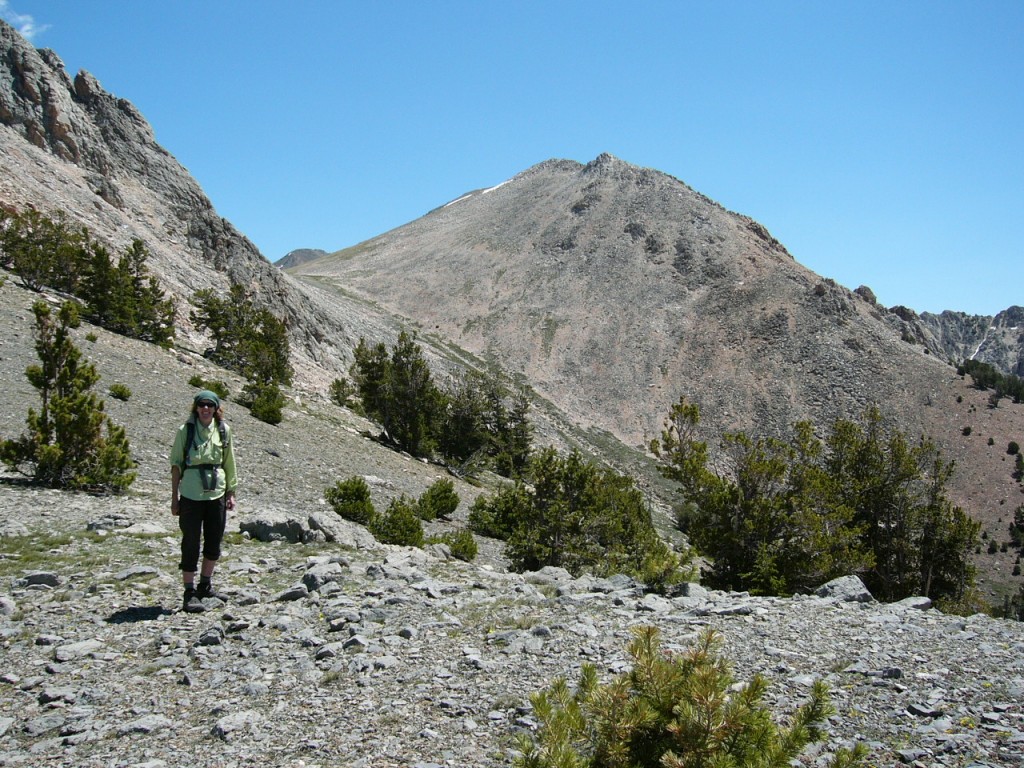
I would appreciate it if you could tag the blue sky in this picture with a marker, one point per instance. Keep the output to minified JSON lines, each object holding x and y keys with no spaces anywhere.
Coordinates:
{"x":880,"y":142}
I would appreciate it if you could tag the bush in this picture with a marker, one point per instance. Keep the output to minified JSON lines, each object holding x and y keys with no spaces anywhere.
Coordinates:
{"x":399,"y":524}
{"x":966,"y":431}
{"x":219,"y":388}
{"x":578,"y":517}
{"x":120,"y":391}
{"x":778,"y":517}
{"x":351,"y":500}
{"x":495,"y":517}
{"x":1012,"y":448}
{"x":460,"y":542}
{"x":265,"y":402}
{"x":671,"y":711}
{"x":439,"y":501}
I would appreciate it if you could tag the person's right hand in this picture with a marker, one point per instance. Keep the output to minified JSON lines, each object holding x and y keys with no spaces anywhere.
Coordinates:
{"x":174,"y":507}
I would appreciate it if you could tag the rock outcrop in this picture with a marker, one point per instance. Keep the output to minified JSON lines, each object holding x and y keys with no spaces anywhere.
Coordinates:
{"x":67,"y":146}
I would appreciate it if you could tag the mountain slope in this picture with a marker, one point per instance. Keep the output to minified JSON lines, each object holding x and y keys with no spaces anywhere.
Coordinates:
{"x":614,"y":290}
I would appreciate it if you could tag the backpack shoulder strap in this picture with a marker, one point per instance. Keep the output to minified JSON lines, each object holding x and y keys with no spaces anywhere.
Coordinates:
{"x":190,"y":436}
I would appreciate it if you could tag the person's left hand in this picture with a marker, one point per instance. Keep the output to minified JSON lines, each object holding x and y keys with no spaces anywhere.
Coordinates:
{"x":231,"y":502}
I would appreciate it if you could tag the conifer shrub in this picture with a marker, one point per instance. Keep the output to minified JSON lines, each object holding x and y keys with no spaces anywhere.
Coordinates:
{"x":495,"y":517}
{"x":265,"y":402}
{"x":120,"y":391}
{"x":400,"y":524}
{"x":351,"y":500}
{"x":65,"y":445}
{"x":247,"y":339}
{"x":781,"y":516}
{"x":1013,"y":448}
{"x":460,"y":542}
{"x":578,"y":516}
{"x":439,"y":501}
{"x":671,"y":711}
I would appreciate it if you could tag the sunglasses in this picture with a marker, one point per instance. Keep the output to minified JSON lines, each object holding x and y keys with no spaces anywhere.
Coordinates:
{"x":206,"y":404}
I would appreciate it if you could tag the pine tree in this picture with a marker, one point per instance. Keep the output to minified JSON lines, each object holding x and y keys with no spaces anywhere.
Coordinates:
{"x":577,"y":516}
{"x":64,"y":446}
{"x":399,"y":392}
{"x":672,"y":711}
{"x":399,"y":525}
{"x":246,"y":339}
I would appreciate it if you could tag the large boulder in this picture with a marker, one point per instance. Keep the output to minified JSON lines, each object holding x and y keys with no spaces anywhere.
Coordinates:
{"x":278,"y":525}
{"x":846,"y":589}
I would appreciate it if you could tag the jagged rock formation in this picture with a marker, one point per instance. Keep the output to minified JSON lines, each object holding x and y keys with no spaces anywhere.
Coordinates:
{"x":998,"y":341}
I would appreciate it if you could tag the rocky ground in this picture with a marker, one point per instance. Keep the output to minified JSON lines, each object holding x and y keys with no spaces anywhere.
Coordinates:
{"x":347,"y":653}
{"x":335,"y":651}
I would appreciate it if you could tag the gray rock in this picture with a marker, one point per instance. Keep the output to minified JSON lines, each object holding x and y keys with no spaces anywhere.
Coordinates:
{"x":236,"y":725}
{"x":73,"y":651}
{"x":845,"y":589}
{"x":145,"y":724}
{"x":41,"y":578}
{"x":320,"y":574}
{"x":137,"y":570}
{"x":295,"y":592}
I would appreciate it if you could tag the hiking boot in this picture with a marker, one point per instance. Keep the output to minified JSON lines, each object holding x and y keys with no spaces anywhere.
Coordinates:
{"x":206,"y":591}
{"x":191,"y":602}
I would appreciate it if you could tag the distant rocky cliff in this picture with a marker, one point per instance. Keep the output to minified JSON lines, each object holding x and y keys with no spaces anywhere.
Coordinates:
{"x":997,"y":340}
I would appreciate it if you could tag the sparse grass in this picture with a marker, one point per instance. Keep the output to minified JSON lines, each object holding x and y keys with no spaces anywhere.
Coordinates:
{"x":26,"y":553}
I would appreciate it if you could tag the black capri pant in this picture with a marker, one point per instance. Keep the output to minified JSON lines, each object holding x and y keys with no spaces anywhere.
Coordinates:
{"x":206,"y":519}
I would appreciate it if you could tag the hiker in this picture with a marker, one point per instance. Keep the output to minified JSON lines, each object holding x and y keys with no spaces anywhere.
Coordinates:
{"x":203,"y":483}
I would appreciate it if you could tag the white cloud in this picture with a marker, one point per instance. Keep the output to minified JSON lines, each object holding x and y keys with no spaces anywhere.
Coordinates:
{"x":24,"y":23}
